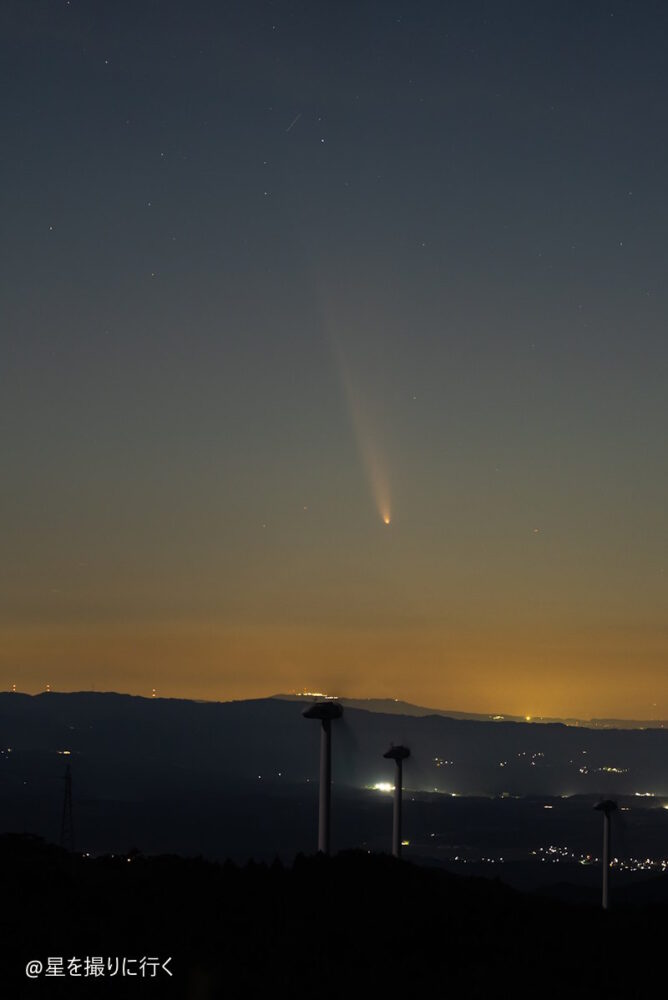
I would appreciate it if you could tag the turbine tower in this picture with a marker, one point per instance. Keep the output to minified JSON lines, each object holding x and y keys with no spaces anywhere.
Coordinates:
{"x":398,"y":755}
{"x":606,"y":807}
{"x":325,"y":711}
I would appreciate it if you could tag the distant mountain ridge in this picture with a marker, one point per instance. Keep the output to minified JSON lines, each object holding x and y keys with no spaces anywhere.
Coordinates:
{"x":393,"y":706}
{"x":117,"y":739}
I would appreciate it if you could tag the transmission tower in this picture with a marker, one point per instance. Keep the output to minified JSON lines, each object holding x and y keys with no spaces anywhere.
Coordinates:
{"x":67,"y":825}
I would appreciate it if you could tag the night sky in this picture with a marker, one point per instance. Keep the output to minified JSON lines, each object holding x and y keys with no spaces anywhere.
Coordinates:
{"x":275,"y":273}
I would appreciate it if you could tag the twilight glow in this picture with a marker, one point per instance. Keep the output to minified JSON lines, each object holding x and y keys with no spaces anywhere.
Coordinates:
{"x":334,"y":352}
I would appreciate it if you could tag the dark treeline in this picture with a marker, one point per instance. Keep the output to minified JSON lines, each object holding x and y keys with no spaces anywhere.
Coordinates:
{"x":354,"y":924}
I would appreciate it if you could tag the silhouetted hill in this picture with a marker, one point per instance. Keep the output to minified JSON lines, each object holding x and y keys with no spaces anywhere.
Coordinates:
{"x":392,"y":706}
{"x":353,"y":925}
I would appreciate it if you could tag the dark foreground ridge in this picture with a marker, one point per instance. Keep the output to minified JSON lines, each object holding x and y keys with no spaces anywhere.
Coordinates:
{"x":352,"y":925}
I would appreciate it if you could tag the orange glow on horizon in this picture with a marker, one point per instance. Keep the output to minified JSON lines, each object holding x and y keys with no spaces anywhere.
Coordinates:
{"x":463,"y":668}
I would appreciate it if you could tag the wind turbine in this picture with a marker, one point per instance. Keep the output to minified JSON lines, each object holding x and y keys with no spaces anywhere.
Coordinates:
{"x":398,"y":755}
{"x":325,"y":711}
{"x":606,"y":807}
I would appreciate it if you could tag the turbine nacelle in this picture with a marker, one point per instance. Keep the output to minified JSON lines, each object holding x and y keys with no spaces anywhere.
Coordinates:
{"x":397,"y":753}
{"x":326,"y":711}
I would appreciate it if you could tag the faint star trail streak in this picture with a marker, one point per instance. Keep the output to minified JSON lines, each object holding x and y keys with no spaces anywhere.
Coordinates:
{"x":294,"y":122}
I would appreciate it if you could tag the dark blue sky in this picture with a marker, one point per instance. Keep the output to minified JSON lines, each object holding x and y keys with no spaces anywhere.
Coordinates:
{"x":275,"y":271}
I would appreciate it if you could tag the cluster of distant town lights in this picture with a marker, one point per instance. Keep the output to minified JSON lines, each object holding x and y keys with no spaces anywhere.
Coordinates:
{"x":557,"y":854}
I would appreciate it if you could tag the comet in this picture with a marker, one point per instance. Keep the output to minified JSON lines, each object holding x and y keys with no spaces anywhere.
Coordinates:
{"x":367,"y":443}
{"x":366,"y":429}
